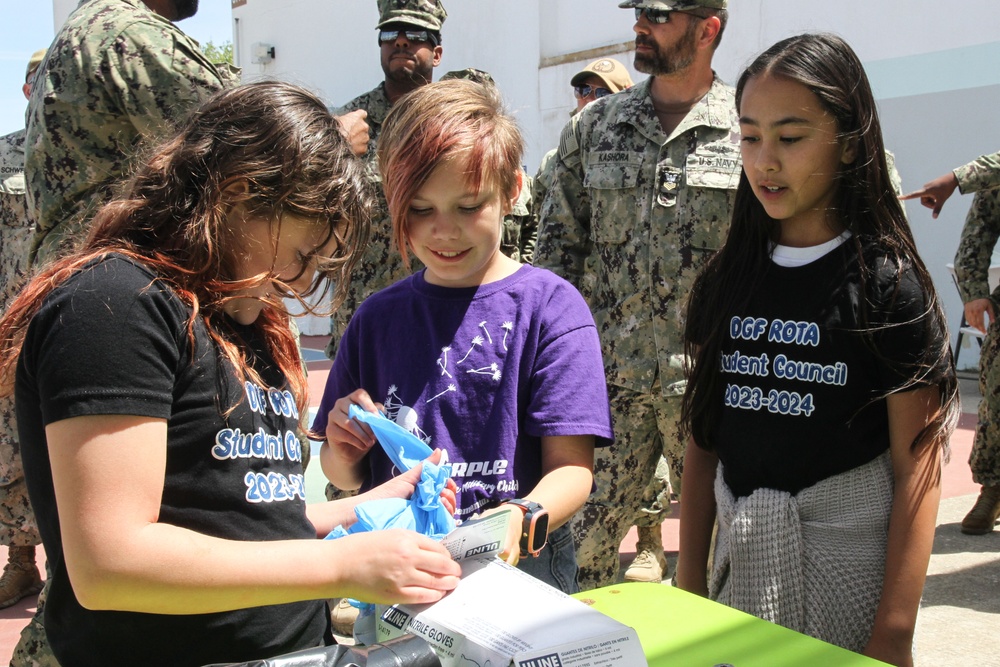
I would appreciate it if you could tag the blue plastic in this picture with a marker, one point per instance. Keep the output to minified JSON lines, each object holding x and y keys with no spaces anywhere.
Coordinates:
{"x":423,"y":512}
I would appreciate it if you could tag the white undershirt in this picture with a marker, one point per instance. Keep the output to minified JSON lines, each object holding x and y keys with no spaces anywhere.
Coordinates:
{"x":790,"y":257}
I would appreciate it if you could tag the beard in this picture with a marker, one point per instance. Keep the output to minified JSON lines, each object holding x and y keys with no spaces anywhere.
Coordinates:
{"x":185,"y":8}
{"x":670,"y":60}
{"x":410,"y":75}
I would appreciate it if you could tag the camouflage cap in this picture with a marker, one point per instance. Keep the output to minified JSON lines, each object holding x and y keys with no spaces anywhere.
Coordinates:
{"x":429,"y":14}
{"x":610,"y":71}
{"x":36,"y":59}
{"x":674,"y":5}
{"x":470,"y":74}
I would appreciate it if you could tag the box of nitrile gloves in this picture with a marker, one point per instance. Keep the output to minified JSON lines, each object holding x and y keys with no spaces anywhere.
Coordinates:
{"x":500,"y":616}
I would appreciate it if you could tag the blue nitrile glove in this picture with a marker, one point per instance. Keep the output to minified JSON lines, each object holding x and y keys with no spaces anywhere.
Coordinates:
{"x":405,"y":449}
{"x":424,"y":512}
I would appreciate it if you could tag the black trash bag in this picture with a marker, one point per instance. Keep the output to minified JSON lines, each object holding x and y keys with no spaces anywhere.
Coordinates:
{"x":406,"y":651}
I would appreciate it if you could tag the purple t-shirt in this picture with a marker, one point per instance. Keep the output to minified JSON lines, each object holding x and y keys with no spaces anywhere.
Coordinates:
{"x":482,"y":372}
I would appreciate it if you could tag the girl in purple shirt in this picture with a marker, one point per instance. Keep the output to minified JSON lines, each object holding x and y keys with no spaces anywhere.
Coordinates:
{"x":496,"y":363}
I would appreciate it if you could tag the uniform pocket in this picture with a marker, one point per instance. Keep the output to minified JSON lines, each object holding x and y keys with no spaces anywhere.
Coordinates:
{"x":612,"y":187}
{"x":712,"y":173}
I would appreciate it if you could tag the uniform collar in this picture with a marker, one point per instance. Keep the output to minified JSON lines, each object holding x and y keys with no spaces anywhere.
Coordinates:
{"x":715,"y":110}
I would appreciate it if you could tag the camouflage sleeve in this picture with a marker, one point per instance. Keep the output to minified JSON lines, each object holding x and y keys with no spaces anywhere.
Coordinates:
{"x":564,"y":220}
{"x":539,"y":188}
{"x":342,"y":110}
{"x":975,"y":249}
{"x":894,"y":178}
{"x":980,"y":174}
{"x":515,"y":222}
{"x":525,"y":223}
{"x":157,"y":87}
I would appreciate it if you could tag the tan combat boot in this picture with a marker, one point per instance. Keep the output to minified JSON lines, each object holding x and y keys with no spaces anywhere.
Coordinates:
{"x":983,"y":515}
{"x":20,"y":576}
{"x":650,"y":563}
{"x":342,"y":617}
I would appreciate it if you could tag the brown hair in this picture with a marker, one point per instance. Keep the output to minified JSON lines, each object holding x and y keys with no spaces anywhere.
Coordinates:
{"x":439,"y":122}
{"x":174,"y":214}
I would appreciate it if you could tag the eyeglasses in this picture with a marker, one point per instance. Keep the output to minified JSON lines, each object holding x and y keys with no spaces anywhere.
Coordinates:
{"x":586,"y":91}
{"x":386,"y":36}
{"x":660,"y":16}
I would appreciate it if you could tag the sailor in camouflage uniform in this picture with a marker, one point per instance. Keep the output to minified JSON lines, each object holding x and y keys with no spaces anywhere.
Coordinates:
{"x":118,"y":73}
{"x":604,"y":76}
{"x":407,"y":64}
{"x":972,"y":265}
{"x":644,"y":184}
{"x":18,"y":529}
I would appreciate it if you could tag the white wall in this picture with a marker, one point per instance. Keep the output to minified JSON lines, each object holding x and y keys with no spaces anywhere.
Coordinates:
{"x":60,"y":10}
{"x":935,"y":70}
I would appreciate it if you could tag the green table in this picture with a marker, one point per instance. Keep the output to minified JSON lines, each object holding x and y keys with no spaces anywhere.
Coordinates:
{"x":678,"y":629}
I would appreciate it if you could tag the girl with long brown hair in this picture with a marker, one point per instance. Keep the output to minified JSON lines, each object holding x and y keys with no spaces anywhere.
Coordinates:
{"x":159,"y":394}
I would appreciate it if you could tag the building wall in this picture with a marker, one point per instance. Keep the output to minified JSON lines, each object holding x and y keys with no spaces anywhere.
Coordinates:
{"x":936,"y":73}
{"x":60,"y":10}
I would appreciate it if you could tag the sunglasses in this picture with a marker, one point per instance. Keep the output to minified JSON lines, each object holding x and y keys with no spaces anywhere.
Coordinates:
{"x":386,"y":36}
{"x":659,"y":16}
{"x":586,"y":91}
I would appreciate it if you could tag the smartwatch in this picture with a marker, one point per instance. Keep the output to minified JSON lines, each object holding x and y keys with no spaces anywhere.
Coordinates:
{"x":535,"y":526}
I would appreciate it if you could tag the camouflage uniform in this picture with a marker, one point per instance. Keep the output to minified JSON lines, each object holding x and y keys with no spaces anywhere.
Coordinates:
{"x":17,"y":521}
{"x":517,"y":225}
{"x":972,"y":265}
{"x":539,"y":188}
{"x":380,"y":264}
{"x":649,"y":210}
{"x":32,"y":648}
{"x":116,"y":72}
{"x":982,"y":173}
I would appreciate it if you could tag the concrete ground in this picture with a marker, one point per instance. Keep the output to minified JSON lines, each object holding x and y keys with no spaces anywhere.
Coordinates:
{"x":960,"y":612}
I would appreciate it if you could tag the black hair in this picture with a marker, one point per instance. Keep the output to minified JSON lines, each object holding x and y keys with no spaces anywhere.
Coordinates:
{"x":865,"y":204}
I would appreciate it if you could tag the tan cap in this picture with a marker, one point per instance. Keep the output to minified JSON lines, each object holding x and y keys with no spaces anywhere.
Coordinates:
{"x":428,"y":14}
{"x":610,"y":71}
{"x":36,"y":59}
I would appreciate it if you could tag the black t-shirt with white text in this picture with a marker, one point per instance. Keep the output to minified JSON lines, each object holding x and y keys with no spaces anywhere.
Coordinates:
{"x":802,"y":386}
{"x":112,"y":340}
